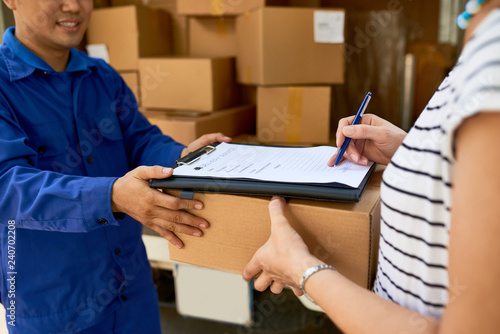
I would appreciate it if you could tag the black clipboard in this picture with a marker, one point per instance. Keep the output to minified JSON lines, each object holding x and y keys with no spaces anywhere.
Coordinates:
{"x":316,"y":191}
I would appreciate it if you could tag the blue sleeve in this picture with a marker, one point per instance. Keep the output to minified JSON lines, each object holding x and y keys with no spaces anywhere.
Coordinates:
{"x":145,"y":144}
{"x":46,"y":200}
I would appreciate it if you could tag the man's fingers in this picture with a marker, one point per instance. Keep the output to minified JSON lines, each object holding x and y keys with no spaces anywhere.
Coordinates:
{"x":170,"y":236}
{"x":155,"y":172}
{"x":221,"y":138}
{"x":177,"y":228}
{"x":213,"y":137}
{"x":179,"y":217}
{"x":174,"y":203}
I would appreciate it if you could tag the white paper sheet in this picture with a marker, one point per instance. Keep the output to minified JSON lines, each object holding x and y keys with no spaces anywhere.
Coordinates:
{"x":280,"y":164}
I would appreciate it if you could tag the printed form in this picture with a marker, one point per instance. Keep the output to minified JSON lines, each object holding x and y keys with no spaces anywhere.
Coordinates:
{"x":278,"y":164}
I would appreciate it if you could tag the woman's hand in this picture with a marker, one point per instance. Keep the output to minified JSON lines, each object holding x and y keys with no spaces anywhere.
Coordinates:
{"x":284,"y":257}
{"x":374,"y":139}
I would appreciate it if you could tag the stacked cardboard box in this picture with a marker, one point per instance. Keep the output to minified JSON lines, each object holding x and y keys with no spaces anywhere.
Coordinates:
{"x":212,"y":37}
{"x":186,"y":127}
{"x":290,"y":46}
{"x":178,"y":24}
{"x":294,"y":114}
{"x":279,"y":43}
{"x":136,"y":39}
{"x":274,"y":52}
{"x":199,"y":84}
{"x":129,"y":33}
{"x":123,"y":35}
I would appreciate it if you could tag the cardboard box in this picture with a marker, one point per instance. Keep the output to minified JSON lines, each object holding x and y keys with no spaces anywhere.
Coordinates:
{"x":294,"y":115}
{"x":186,"y":129}
{"x":248,"y":94}
{"x":223,"y":7}
{"x":129,"y":2}
{"x":101,"y":3}
{"x":271,"y":51}
{"x":212,"y":36}
{"x":130,"y":32}
{"x":178,"y":25}
{"x":344,"y":235}
{"x":201,"y":84}
{"x":131,"y":78}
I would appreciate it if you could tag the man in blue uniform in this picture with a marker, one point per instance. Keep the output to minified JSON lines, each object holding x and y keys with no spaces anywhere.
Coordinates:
{"x":74,"y":182}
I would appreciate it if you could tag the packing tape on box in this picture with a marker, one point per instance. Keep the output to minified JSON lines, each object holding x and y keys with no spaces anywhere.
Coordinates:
{"x":294,"y":114}
{"x":217,"y":7}
{"x":221,"y":28}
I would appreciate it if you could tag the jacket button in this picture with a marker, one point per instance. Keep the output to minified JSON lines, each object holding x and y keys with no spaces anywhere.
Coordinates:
{"x":102,"y":221}
{"x":42,"y":149}
{"x":118,"y":251}
{"x":124,"y":298}
{"x":119,"y":215}
{"x":90,"y":159}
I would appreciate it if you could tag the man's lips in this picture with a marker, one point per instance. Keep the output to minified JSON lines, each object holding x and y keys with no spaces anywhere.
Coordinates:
{"x":70,"y":25}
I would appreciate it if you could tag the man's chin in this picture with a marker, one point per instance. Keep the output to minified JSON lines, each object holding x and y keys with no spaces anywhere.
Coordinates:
{"x":70,"y":43}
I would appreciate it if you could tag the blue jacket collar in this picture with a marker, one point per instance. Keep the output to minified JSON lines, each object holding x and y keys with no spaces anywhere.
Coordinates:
{"x":21,"y":62}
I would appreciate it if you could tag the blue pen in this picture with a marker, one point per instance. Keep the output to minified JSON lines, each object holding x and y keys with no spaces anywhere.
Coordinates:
{"x":356,"y":120}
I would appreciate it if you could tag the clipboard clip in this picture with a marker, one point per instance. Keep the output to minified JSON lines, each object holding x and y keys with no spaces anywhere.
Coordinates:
{"x":196,"y":155}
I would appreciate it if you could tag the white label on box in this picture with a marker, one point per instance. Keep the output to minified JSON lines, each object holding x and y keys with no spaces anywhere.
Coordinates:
{"x":98,"y":51}
{"x":329,"y":27}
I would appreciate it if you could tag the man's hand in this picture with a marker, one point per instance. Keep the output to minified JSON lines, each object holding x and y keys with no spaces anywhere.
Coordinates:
{"x":160,"y":212}
{"x":374,"y":139}
{"x":205,"y":140}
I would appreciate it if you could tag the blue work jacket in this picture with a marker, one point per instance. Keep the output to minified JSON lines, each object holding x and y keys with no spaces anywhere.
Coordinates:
{"x":65,"y":137}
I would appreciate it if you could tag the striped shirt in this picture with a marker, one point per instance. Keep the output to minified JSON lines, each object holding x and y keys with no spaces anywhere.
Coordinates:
{"x":417,"y":184}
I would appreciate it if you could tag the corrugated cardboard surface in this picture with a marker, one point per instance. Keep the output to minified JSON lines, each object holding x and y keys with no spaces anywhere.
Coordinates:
{"x":222,"y":7}
{"x":186,"y":129}
{"x":131,"y":78}
{"x":201,"y":84}
{"x":212,"y":36}
{"x":130,"y":32}
{"x":296,"y":115}
{"x":344,"y":235}
{"x":276,"y":47}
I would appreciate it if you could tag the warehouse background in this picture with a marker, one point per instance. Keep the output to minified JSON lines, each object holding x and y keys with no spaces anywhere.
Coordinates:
{"x":253,"y":70}
{"x":398,"y":49}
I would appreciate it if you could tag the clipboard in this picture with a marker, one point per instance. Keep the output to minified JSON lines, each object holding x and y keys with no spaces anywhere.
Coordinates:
{"x":251,"y":187}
